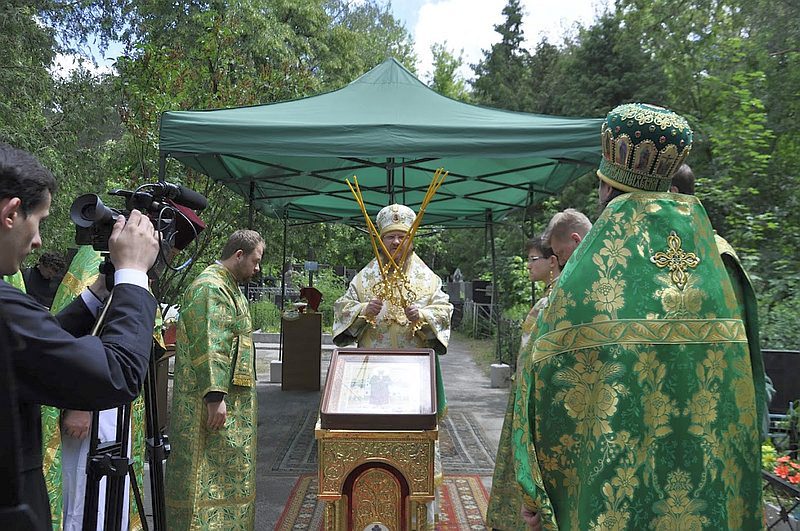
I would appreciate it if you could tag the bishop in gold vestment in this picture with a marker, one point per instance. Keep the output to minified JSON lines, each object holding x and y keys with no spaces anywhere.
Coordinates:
{"x":362,"y":316}
{"x":392,"y":327}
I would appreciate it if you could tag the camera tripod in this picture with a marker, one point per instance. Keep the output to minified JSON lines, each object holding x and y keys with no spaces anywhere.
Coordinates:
{"x":111,"y":460}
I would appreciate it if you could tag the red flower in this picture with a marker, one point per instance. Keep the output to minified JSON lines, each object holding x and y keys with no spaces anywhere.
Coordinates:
{"x":782,"y":471}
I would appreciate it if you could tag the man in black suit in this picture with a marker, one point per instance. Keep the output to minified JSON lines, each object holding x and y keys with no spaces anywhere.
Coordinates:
{"x":52,"y":361}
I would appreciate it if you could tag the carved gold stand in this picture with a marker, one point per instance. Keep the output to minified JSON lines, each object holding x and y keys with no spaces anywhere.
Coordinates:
{"x":379,"y":480}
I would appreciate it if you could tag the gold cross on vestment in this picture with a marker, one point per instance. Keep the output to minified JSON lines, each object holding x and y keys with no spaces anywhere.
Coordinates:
{"x":676,"y":259}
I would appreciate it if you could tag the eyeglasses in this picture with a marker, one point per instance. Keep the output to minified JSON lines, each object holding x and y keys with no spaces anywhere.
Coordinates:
{"x":532,"y":259}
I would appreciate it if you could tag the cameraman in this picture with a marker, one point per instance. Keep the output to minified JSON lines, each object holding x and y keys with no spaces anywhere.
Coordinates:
{"x":49,"y":355}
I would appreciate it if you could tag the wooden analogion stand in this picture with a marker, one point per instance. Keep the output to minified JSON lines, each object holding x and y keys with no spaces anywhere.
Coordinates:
{"x":376,"y":435}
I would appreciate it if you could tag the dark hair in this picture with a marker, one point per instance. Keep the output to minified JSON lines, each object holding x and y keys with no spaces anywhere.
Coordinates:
{"x":540,"y":244}
{"x":53,"y":260}
{"x":615,"y":192}
{"x":244,"y":239}
{"x":683,"y":180}
{"x":21,"y":175}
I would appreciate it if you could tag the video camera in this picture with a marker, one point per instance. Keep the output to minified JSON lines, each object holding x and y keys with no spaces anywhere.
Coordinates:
{"x":94,"y":220}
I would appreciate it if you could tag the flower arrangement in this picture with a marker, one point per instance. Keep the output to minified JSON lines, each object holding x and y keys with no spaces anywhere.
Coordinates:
{"x":788,"y":469}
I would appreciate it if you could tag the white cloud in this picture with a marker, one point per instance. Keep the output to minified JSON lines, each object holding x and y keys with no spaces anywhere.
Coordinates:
{"x":469,"y":25}
{"x":64,"y":65}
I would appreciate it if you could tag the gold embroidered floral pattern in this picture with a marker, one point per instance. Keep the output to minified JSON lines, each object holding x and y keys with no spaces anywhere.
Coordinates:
{"x":681,"y":303}
{"x":558,"y":304}
{"x":615,"y":251}
{"x":592,"y":399}
{"x":658,"y":407}
{"x":625,"y":481}
{"x":679,"y":510}
{"x":715,"y":364}
{"x":607,"y":294}
{"x":676,"y":259}
{"x":612,"y":520}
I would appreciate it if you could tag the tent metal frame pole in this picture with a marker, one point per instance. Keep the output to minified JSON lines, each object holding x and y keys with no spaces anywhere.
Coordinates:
{"x":390,"y":179}
{"x":495,"y":290}
{"x":250,"y":226}
{"x":283,"y":280}
{"x":250,"y":214}
{"x":251,"y":206}
{"x":529,"y":205}
{"x":404,"y":179}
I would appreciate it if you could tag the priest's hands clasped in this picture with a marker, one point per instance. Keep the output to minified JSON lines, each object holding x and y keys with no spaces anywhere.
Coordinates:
{"x":373,"y":308}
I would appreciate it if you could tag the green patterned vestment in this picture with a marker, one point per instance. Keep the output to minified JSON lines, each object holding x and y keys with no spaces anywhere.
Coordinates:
{"x":504,"y":503}
{"x":210,"y":476}
{"x":638,"y":405}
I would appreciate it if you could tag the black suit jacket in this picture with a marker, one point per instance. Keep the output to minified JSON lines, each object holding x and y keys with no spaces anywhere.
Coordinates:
{"x":55,"y":363}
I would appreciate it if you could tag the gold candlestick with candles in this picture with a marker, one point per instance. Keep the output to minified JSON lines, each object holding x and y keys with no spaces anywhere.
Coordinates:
{"x":394,"y":287}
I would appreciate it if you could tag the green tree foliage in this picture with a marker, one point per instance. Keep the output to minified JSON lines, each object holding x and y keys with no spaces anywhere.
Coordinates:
{"x":187,"y":55}
{"x":731,"y":67}
{"x":602,"y":67}
{"x":26,"y":51}
{"x":503,"y":75}
{"x":445,"y":78}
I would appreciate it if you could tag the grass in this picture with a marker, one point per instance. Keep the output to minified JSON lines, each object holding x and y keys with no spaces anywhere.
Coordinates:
{"x":482,"y":350}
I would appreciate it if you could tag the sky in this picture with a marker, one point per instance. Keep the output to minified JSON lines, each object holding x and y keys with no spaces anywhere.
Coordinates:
{"x":465,"y":26}
{"x":468,"y":25}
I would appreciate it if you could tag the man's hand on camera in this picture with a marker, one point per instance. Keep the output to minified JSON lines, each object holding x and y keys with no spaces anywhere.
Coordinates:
{"x":217,"y":414}
{"x":76,"y":424}
{"x":133,"y":243}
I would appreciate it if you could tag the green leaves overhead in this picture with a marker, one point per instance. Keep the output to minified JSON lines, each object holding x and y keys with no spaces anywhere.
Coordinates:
{"x":731,"y":67}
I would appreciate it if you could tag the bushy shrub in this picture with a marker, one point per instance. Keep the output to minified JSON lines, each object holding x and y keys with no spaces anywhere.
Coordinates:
{"x":266,"y":316}
{"x":332,"y":287}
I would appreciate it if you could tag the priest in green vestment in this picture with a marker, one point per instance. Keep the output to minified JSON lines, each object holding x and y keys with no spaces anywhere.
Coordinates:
{"x":210,"y":473}
{"x":640,"y":400}
{"x":503,"y":511}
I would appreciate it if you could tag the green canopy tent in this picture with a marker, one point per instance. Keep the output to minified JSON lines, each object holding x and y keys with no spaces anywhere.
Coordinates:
{"x":291,"y":159}
{"x":391,"y":131}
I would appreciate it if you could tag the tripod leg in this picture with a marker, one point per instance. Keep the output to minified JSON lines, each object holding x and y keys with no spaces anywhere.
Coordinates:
{"x":93,"y":478}
{"x":138,"y":495}
{"x":157,"y":447}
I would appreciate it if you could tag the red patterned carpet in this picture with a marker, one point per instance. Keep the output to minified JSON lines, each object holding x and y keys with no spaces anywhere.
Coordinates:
{"x":463,"y":504}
